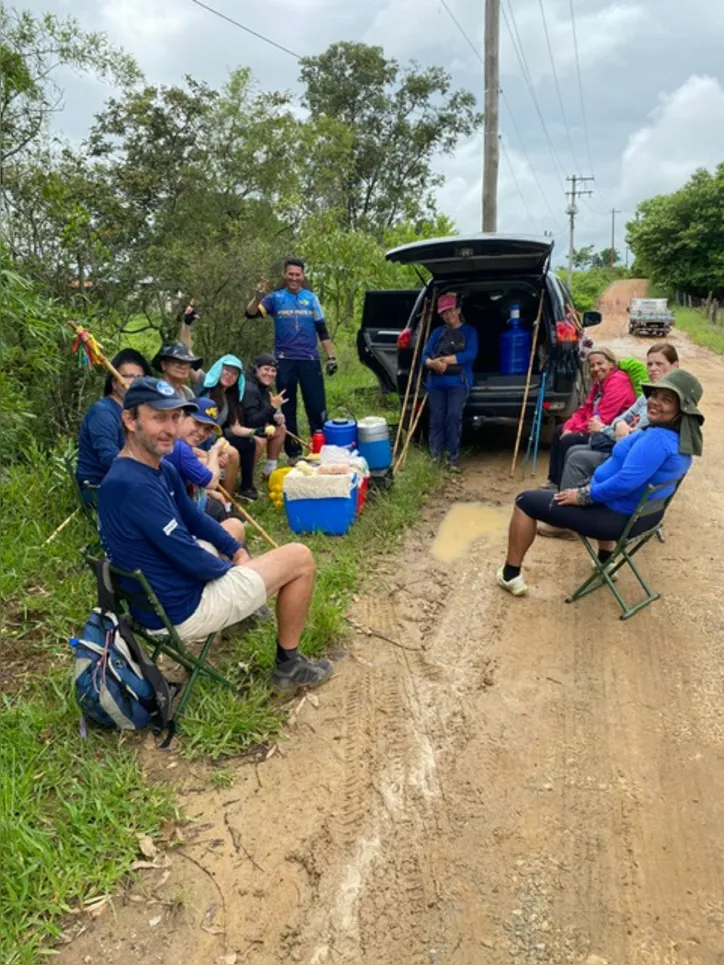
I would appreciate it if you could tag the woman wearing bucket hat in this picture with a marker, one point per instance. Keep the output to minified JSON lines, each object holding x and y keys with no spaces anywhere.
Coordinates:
{"x":611,"y":394}
{"x":224,"y":383}
{"x":448,"y":358}
{"x":660,"y":453}
{"x":101,"y":433}
{"x":178,"y":364}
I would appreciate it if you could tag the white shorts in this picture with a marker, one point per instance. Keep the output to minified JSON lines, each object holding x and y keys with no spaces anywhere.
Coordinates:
{"x":230,"y":599}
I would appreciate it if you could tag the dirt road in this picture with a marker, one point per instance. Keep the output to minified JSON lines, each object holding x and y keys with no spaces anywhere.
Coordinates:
{"x":491,"y":781}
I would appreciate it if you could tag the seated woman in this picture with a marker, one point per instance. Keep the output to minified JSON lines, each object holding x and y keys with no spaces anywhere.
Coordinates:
{"x":224,"y":383}
{"x":610,"y":395}
{"x":658,"y":454}
{"x":448,"y":358}
{"x":262,"y":409}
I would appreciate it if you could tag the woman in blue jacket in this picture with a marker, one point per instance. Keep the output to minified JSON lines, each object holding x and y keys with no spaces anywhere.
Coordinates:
{"x":448,"y":358}
{"x":660,"y":453}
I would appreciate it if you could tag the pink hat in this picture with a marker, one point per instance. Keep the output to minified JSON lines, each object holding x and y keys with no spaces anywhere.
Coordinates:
{"x":445,"y":302}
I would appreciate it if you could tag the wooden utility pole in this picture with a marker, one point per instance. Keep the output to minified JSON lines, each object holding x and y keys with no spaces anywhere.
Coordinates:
{"x":491,"y":144}
{"x":572,"y":211}
{"x":614,"y":212}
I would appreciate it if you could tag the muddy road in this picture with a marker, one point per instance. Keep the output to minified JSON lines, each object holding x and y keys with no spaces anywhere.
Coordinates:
{"x":485,"y":780}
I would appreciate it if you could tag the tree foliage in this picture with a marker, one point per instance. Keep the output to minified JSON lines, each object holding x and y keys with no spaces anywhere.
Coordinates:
{"x":678,"y":238}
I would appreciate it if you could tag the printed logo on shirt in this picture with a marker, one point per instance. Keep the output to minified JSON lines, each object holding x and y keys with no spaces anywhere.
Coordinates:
{"x":164,"y":388}
{"x":170,"y":526}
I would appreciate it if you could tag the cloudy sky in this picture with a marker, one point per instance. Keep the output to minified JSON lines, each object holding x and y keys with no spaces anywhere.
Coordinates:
{"x":652,"y":77}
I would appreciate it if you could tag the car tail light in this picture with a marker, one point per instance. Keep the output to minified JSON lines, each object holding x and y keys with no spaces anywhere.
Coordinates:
{"x":404,"y":338}
{"x":546,"y":405}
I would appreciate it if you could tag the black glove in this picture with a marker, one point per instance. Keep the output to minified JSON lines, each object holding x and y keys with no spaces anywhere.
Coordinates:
{"x":331,"y":365}
{"x":190,"y":316}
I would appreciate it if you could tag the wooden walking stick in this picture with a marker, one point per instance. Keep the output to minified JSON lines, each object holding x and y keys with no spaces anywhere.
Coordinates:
{"x":414,"y":411}
{"x":534,"y":345}
{"x":61,"y":527}
{"x":249,"y":518}
{"x":410,"y":436}
{"x":424,"y":321}
{"x":300,"y":441}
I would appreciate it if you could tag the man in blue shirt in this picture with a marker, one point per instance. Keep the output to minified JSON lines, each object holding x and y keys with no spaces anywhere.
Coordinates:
{"x":101,"y":435}
{"x":298,"y":323}
{"x":148,"y":522}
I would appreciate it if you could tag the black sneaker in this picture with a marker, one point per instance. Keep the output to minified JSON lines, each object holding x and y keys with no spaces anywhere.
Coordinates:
{"x":300,"y":672}
{"x":249,"y":494}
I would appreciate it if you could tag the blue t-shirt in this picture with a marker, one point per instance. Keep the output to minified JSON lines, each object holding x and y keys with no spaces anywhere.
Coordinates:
{"x":191,"y":470}
{"x":148,"y":522}
{"x":646,"y":458}
{"x":297,"y":319}
{"x":441,"y":380}
{"x":100,"y":440}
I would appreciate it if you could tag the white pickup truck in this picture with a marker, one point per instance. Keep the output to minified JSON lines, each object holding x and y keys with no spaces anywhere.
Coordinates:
{"x":649,"y":316}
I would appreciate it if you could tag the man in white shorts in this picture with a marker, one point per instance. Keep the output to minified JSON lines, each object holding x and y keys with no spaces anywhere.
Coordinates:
{"x":148,"y":522}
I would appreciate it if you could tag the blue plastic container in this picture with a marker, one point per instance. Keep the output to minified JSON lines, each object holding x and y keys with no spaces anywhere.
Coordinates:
{"x":333,"y":516}
{"x":340,"y":432}
{"x":514,"y":346}
{"x":373,"y":441}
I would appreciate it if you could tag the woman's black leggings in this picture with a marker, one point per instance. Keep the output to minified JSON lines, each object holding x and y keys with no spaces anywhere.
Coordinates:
{"x":246,"y":447}
{"x":596,"y":521}
{"x":559,"y":451}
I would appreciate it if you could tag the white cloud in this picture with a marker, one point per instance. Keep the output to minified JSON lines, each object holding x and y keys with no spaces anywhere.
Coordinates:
{"x":684,"y":133}
{"x":143,"y":24}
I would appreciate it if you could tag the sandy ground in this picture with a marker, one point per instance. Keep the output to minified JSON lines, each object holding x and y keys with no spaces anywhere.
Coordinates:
{"x":489,"y":780}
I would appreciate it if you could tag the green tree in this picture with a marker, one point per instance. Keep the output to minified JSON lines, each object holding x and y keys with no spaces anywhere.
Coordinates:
{"x":583,"y":257}
{"x":385,"y":124}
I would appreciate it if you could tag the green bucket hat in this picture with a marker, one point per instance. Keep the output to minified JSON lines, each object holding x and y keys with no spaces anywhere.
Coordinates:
{"x":689,"y":391}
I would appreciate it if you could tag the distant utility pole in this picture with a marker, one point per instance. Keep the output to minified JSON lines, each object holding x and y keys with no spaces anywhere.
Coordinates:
{"x":572,"y":211}
{"x":491,"y":144}
{"x":614,"y":212}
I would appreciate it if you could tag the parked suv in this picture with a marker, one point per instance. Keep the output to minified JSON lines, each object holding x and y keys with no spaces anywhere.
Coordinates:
{"x":489,"y":273}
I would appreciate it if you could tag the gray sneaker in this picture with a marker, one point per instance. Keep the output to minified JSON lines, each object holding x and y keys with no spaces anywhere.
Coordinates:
{"x":300,"y":672}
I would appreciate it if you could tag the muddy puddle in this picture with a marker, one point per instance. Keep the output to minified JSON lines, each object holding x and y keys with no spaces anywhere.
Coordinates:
{"x":463,"y":525}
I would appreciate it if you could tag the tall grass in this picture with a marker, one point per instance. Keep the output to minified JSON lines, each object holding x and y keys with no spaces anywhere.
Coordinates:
{"x":700,"y":330}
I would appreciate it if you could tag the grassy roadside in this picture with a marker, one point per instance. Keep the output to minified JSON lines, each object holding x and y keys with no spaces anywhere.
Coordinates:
{"x":71,"y":810}
{"x":700,"y":330}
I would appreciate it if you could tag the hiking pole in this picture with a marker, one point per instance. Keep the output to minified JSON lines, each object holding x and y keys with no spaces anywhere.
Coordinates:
{"x":534,"y":345}
{"x":414,"y":411}
{"x":248,"y":517}
{"x":539,"y":426}
{"x":62,"y":526}
{"x":92,"y":350}
{"x":410,"y":435}
{"x":426,"y":315}
{"x":300,"y":441}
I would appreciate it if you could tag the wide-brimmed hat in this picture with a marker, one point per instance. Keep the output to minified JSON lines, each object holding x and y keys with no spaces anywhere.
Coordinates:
{"x":685,"y":386}
{"x":177,"y":351}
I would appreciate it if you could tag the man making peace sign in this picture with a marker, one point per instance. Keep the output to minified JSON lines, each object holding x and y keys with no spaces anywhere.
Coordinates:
{"x":298,"y":323}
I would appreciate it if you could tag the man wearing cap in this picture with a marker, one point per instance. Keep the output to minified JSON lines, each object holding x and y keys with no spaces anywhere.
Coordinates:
{"x":448,"y":357}
{"x":101,"y":433}
{"x":148,"y":522}
{"x":298,"y":323}
{"x":177,"y":363}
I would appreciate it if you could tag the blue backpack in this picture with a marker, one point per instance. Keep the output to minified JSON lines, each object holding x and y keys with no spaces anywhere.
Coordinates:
{"x":117,"y":685}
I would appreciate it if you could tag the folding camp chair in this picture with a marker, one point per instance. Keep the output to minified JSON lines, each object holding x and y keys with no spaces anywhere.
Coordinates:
{"x":88,"y":507}
{"x":625,"y":549}
{"x":132,"y":588}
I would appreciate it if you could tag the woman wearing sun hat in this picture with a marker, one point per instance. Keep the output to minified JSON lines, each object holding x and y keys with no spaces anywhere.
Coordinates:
{"x":448,"y":358}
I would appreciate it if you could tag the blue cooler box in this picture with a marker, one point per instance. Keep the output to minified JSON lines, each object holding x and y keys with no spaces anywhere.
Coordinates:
{"x":331,"y":515}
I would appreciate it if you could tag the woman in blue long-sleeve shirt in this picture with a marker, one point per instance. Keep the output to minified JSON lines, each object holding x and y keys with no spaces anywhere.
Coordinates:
{"x":448,"y":358}
{"x":660,"y":453}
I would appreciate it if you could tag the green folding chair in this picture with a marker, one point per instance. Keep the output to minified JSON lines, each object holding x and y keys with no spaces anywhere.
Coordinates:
{"x":169,"y":642}
{"x":604,"y":574}
{"x":88,"y":507}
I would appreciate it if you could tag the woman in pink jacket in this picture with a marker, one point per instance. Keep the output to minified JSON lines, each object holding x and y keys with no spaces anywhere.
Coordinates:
{"x":611,"y":394}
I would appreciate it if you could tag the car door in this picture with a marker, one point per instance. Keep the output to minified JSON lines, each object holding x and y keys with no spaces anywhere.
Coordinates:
{"x":384,"y":316}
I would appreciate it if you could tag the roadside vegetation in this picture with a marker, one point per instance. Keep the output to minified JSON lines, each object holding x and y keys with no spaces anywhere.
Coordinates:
{"x":700,"y":329}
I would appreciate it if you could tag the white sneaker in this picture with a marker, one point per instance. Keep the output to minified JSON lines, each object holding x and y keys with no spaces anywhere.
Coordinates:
{"x":517,"y":586}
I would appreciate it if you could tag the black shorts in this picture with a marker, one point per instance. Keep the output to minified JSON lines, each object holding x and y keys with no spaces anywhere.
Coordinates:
{"x":595,"y":521}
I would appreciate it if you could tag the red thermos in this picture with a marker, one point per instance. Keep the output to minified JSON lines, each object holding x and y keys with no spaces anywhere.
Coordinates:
{"x":318,"y":441}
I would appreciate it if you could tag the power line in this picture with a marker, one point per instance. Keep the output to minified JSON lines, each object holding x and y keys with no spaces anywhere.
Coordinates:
{"x":517,"y":185}
{"x":558,"y":167}
{"x":558,"y":88}
{"x":254,"y":33}
{"x":580,"y":87}
{"x":476,"y":52}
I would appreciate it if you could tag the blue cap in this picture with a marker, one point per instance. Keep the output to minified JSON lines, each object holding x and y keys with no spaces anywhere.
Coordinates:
{"x":157,"y":393}
{"x":207,"y":412}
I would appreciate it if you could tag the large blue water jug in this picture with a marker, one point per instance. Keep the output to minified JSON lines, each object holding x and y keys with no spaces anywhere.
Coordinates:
{"x":514,"y":346}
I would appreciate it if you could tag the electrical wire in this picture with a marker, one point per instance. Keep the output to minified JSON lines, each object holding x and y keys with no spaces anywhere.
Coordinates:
{"x":254,"y":33}
{"x":576,"y":165}
{"x":580,"y":87}
{"x":517,"y":185}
